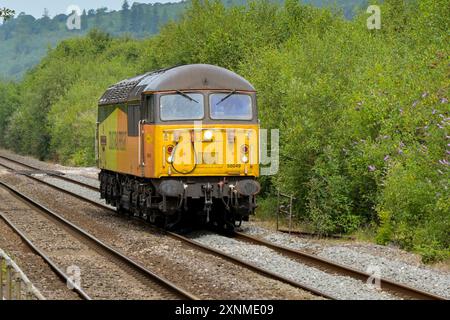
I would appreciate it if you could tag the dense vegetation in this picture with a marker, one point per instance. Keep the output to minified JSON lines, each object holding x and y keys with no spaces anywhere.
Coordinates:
{"x":25,"y":40}
{"x":363,"y":114}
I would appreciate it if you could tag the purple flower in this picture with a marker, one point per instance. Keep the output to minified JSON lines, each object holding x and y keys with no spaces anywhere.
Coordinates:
{"x":447,"y":151}
{"x":444,"y":162}
{"x":372,"y":168}
{"x":425,"y":94}
{"x":415,"y":103}
{"x":444,"y":100}
{"x":439,"y":126}
{"x":434,"y":111}
{"x":400,"y":151}
{"x":400,"y":110}
{"x":402,"y":145}
{"x":386,"y":158}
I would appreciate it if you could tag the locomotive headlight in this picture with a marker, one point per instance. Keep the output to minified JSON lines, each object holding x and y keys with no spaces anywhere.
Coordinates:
{"x":244,"y":159}
{"x":207,"y":135}
{"x":170,"y":159}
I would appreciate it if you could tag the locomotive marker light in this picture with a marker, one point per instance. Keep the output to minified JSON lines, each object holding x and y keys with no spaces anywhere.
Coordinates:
{"x":207,"y":135}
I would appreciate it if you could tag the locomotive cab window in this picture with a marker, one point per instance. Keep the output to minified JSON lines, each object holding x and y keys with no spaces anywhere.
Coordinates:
{"x":231,"y":106}
{"x":182,"y":106}
{"x":134,"y":115}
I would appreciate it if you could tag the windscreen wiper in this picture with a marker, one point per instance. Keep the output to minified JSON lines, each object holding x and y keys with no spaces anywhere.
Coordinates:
{"x":226,"y":97}
{"x":186,"y":96}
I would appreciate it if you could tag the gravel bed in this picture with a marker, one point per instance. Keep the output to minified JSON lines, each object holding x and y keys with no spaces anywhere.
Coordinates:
{"x":283,"y":239}
{"x":205,"y":275}
{"x":393,"y":263}
{"x":87,"y":175}
{"x":338,"y":286}
{"x":100,"y":278}
{"x":419,"y":277}
{"x":93,"y":182}
{"x":80,"y":190}
{"x":75,"y":188}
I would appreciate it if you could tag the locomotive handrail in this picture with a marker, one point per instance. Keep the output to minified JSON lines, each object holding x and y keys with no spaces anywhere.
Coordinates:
{"x":141,"y":145}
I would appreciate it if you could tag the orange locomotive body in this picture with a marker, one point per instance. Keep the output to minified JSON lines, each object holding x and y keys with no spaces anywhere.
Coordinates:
{"x":180,"y":143}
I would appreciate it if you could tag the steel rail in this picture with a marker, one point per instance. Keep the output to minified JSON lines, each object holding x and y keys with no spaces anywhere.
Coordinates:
{"x":57,"y":176}
{"x":331,"y":266}
{"x":310,"y":259}
{"x":46,"y":258}
{"x":137,"y":267}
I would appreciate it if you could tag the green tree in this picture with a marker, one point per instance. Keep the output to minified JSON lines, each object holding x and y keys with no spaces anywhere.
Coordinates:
{"x":125,"y":16}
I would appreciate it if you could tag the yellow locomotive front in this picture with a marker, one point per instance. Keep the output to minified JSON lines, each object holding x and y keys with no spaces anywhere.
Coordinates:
{"x":181,"y":144}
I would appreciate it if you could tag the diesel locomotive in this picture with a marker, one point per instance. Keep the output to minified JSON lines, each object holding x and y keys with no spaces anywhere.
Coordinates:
{"x":180,"y":144}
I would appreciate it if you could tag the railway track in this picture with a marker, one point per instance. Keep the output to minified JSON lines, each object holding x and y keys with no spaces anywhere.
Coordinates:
{"x":184,"y":239}
{"x":398,"y":289}
{"x":61,"y":274}
{"x":330,"y":266}
{"x":55,"y":174}
{"x":152,"y":280}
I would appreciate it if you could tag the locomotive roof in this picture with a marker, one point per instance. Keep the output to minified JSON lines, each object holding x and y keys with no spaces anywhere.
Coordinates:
{"x":186,"y":77}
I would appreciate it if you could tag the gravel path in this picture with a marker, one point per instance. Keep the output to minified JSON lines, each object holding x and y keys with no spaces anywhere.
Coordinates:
{"x":341,"y":287}
{"x":204,"y":275}
{"x":100,"y":277}
{"x":393,"y":263}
